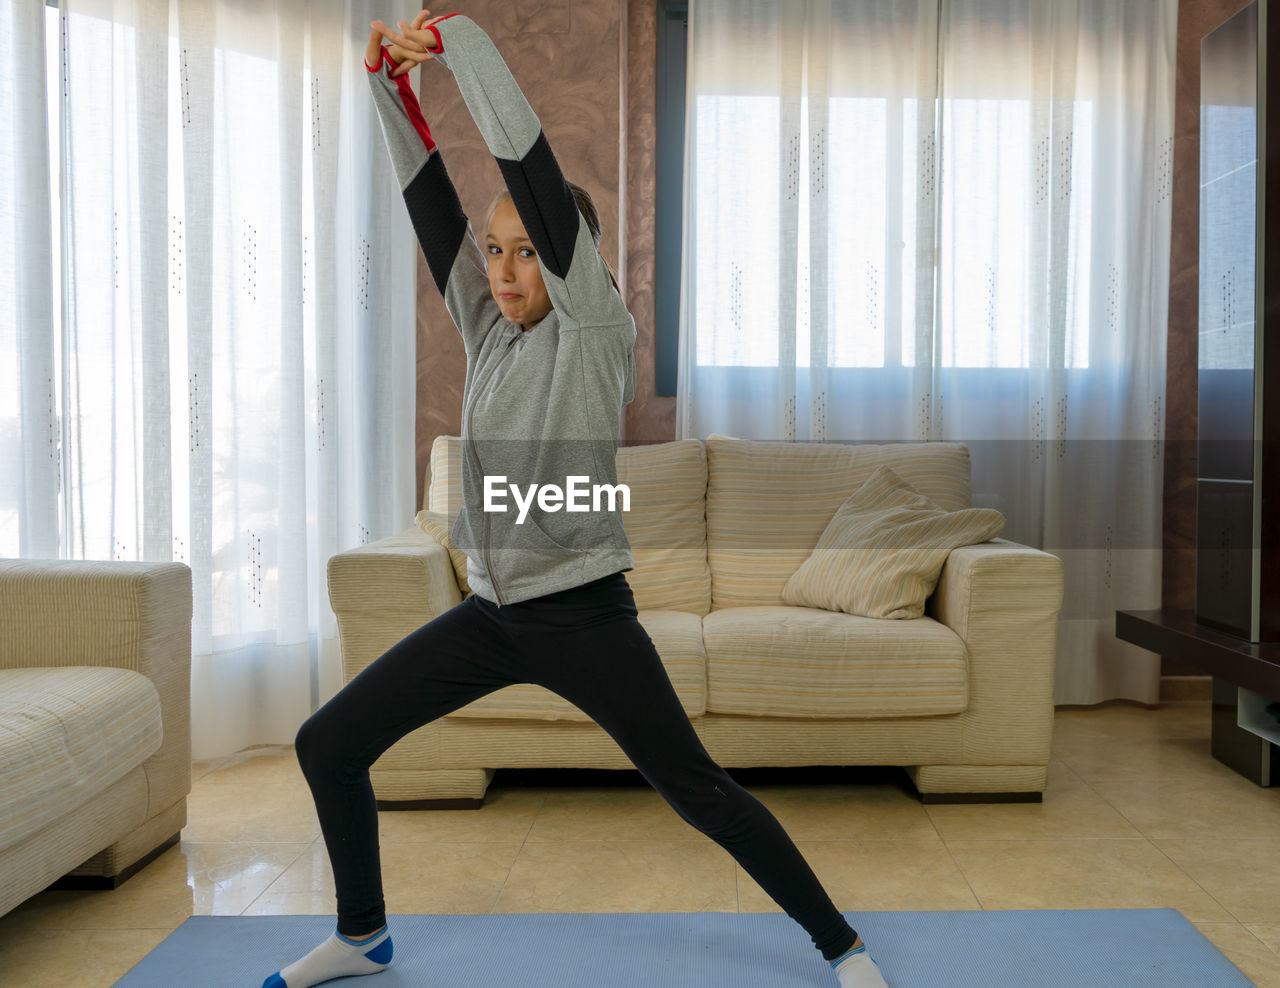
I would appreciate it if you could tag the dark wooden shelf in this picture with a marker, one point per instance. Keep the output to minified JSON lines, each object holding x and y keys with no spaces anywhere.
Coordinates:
{"x":1253,"y":665}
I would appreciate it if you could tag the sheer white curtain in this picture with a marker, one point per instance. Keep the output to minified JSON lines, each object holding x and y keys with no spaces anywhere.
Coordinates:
{"x":948,"y":220}
{"x":206,"y":352}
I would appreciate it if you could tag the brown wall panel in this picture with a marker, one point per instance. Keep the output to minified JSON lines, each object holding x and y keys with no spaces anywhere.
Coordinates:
{"x":649,"y":418}
{"x":566,"y":58}
{"x":1196,"y":18}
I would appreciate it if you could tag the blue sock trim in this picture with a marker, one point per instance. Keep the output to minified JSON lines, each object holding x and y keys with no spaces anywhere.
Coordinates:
{"x":360,"y":943}
{"x":848,"y":953}
{"x":275,"y":981}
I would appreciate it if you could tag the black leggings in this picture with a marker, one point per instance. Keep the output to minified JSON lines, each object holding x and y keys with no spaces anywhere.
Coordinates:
{"x":586,"y":645}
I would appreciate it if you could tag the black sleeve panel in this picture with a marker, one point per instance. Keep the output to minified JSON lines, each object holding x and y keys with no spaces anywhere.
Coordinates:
{"x":437,"y":217}
{"x":545,"y":203}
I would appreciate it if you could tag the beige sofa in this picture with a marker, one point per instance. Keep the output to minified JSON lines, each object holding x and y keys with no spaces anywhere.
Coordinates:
{"x":95,"y":742}
{"x":961,"y":697}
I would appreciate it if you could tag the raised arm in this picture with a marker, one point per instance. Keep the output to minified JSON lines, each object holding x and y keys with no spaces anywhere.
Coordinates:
{"x":575,"y":274}
{"x":450,"y":248}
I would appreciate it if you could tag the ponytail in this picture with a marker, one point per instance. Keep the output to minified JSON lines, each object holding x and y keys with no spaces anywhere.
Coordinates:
{"x":589,"y":213}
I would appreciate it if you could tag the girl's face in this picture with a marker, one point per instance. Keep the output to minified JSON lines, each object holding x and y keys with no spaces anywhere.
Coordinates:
{"x":514,"y":276}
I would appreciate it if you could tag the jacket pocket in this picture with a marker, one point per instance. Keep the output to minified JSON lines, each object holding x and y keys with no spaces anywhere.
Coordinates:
{"x":533,"y":549}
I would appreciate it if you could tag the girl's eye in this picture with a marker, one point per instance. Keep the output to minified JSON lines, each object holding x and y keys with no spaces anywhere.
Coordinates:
{"x":527,"y":252}
{"x":494,"y":249}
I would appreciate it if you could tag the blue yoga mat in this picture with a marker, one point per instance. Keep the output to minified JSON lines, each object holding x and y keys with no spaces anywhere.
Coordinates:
{"x":991,"y":949}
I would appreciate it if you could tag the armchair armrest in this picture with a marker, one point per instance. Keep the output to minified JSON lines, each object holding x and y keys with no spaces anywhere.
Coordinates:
{"x":383,"y":591}
{"x":123,"y":614}
{"x":1003,"y":600}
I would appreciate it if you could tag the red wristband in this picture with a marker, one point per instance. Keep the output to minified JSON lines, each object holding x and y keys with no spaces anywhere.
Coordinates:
{"x":432,"y":28}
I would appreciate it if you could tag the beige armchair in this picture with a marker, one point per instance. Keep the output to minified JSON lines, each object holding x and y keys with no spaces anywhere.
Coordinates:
{"x":95,"y":739}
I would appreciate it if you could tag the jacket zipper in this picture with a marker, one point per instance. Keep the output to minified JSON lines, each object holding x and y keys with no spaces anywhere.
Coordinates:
{"x":488,"y":559}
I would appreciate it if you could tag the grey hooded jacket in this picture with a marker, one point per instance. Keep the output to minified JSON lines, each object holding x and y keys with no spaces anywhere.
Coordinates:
{"x":542,"y":406}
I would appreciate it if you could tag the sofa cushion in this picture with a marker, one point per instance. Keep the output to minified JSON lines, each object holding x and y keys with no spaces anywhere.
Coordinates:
{"x":66,"y":734}
{"x":444,"y":485}
{"x":802,"y":662}
{"x":440,"y":527}
{"x":667,"y":525}
{"x":882,"y":551}
{"x":677,"y":635}
{"x":768,"y":502}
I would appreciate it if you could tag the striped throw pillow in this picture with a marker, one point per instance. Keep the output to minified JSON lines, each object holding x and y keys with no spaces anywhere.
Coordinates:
{"x":768,"y":502}
{"x":440,"y":526}
{"x":883,"y":550}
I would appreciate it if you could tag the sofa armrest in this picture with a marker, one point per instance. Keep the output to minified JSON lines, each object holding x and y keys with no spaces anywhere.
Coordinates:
{"x":1003,"y":600}
{"x":383,"y":591}
{"x":123,"y":614}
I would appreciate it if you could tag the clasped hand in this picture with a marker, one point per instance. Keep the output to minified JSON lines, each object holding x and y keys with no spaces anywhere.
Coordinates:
{"x":408,"y":47}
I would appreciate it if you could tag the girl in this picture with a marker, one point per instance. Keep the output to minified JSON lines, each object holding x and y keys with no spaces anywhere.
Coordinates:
{"x":550,"y":363}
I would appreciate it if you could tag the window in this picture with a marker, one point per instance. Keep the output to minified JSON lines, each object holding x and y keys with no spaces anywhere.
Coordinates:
{"x":984,"y":253}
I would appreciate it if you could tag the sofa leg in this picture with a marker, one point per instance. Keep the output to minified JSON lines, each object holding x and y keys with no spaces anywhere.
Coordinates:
{"x":460,"y":803}
{"x":109,"y":882}
{"x":979,"y":783}
{"x":981,"y":797}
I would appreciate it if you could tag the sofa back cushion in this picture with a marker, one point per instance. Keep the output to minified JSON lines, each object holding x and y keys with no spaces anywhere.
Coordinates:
{"x":444,"y":476}
{"x":440,"y":527}
{"x":666,"y":526}
{"x":768,"y":503}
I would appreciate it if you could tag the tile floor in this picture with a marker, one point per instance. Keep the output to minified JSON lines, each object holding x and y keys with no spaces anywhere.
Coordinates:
{"x":1137,"y":814}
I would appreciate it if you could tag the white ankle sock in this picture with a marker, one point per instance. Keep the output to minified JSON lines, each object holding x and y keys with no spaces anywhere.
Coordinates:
{"x":337,"y":957}
{"x":855,"y":969}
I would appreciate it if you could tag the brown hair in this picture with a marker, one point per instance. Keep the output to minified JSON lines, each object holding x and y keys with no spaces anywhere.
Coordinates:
{"x":586,"y":206}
